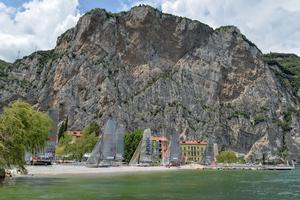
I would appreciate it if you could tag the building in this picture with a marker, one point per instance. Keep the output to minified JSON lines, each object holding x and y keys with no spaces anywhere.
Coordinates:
{"x":160,"y":147}
{"x":75,"y":135}
{"x":192,"y":150}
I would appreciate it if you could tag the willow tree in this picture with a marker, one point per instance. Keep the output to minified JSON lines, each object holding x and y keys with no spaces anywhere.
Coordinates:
{"x":22,"y":129}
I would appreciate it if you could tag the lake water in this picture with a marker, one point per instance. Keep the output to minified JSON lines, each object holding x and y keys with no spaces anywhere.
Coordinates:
{"x":190,"y":185}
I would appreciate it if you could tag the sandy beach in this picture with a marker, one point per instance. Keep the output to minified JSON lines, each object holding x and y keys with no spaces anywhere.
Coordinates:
{"x":56,"y":170}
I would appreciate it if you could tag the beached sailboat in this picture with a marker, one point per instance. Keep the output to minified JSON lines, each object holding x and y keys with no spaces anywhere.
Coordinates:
{"x":175,"y":151}
{"x":110,"y":146}
{"x":142,"y":155}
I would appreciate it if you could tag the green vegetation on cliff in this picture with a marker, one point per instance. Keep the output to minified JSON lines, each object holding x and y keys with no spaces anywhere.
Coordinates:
{"x":3,"y":66}
{"x":288,"y":71}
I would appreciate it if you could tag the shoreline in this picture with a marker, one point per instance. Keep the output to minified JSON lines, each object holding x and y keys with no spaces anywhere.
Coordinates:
{"x":78,"y":170}
{"x":67,"y":170}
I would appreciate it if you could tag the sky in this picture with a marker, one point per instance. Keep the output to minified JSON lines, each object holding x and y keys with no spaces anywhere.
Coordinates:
{"x":30,"y":25}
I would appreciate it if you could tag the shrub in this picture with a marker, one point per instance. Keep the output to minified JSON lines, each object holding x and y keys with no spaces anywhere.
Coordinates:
{"x":227,"y":157}
{"x":93,"y":127}
{"x":132,"y":141}
{"x":258,"y":119}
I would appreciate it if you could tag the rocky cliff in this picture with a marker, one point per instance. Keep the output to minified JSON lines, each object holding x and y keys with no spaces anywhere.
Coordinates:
{"x":171,"y":74}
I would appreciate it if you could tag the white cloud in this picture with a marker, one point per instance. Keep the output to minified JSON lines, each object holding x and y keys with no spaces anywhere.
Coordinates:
{"x":272,"y":24}
{"x":34,"y":26}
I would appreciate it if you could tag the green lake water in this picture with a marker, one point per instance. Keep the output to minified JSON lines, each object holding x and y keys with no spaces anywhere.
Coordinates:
{"x":190,"y":185}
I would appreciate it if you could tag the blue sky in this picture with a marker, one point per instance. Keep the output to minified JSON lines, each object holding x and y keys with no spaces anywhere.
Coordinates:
{"x":110,"y":5}
{"x":31,"y":25}
{"x":85,"y":5}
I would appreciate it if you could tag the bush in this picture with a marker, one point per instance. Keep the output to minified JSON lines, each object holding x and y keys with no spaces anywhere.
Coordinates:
{"x":258,"y":119}
{"x":132,"y":141}
{"x":227,"y":157}
{"x":93,"y":127}
{"x":69,"y":148}
{"x":283,"y":152}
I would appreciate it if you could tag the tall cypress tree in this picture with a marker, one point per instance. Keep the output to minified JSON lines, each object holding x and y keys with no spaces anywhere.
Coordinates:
{"x":62,"y":128}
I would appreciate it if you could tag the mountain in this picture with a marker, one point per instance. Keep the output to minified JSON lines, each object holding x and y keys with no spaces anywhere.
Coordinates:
{"x":153,"y":70}
{"x":3,"y":66}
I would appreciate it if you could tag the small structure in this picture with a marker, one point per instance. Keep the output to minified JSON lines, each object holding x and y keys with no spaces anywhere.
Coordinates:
{"x":193,"y":150}
{"x":75,"y":135}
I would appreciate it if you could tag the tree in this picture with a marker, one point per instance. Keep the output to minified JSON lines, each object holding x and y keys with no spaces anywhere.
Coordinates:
{"x":283,"y":153}
{"x":227,"y":157}
{"x":62,"y":128}
{"x":83,"y":145}
{"x":93,"y":127}
{"x":131,"y":142}
{"x":63,"y":147}
{"x":22,"y":129}
{"x":75,"y":149}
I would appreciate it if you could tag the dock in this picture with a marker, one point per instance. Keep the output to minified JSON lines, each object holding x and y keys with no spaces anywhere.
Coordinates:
{"x":251,"y":167}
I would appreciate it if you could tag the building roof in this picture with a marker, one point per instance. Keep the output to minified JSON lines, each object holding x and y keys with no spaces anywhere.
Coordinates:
{"x":159,"y":138}
{"x":52,"y":138}
{"x":76,"y":133}
{"x":192,"y":142}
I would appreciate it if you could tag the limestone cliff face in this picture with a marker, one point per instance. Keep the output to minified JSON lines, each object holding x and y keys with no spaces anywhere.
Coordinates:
{"x":171,"y":74}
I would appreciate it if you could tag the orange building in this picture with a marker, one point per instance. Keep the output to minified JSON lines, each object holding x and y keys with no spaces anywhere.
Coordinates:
{"x":162,"y":146}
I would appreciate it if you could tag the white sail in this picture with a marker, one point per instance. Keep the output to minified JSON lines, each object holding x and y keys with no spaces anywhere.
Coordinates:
{"x":120,"y":143}
{"x":145,"y":156}
{"x":175,"y":152}
{"x":109,"y":140}
{"x":110,"y":146}
{"x":136,"y":156}
{"x":155,"y":151}
{"x":95,"y":157}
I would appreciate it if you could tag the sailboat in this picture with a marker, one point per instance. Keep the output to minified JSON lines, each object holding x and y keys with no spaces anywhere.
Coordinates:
{"x":175,"y":151}
{"x":142,"y":155}
{"x":110,"y":146}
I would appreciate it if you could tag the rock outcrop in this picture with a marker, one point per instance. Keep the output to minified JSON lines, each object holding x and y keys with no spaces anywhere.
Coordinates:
{"x":153,"y":70}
